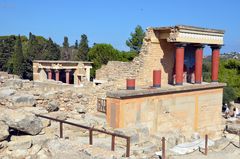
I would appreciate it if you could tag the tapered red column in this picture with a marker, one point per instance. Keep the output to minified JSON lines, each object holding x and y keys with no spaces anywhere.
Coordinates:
{"x":57,"y":75}
{"x":179,"y":63}
{"x":198,"y":64}
{"x":68,"y":76}
{"x":156,"y":78}
{"x":130,"y":84}
{"x":49,"y":71}
{"x":215,"y":62}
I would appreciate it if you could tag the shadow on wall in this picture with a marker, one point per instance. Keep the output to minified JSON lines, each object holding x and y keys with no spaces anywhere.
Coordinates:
{"x":168,"y":59}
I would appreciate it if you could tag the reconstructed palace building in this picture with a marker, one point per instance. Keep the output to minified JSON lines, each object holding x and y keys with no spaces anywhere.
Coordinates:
{"x":70,"y":72}
{"x":168,"y":93}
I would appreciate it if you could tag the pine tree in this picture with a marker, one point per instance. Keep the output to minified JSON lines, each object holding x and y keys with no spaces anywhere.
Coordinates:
{"x":76,"y":44}
{"x":17,"y":58}
{"x":83,"y":49}
{"x":136,"y":40}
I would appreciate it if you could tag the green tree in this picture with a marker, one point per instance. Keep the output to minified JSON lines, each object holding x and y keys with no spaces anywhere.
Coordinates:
{"x":31,"y":52}
{"x":65,"y":42}
{"x":229,"y":73}
{"x":127,"y":56}
{"x":136,"y":40}
{"x":228,"y":94}
{"x":7,"y":44}
{"x":100,"y":54}
{"x":17,"y":58}
{"x":83,"y":49}
{"x":76,"y":44}
{"x":65,"y":51}
{"x":51,"y":51}
{"x":206,"y":71}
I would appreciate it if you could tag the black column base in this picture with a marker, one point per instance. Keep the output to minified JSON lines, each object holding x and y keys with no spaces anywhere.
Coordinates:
{"x":198,"y":82}
{"x":157,"y":85}
{"x":130,"y":88}
{"x":179,"y":84}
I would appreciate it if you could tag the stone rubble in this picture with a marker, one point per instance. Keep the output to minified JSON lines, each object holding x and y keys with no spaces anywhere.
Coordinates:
{"x":21,"y":120}
{"x":24,"y":135}
{"x":4,"y":131}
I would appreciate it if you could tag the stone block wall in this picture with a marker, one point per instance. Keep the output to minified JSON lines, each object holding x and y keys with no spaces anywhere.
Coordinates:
{"x":184,"y":113}
{"x":155,"y":54}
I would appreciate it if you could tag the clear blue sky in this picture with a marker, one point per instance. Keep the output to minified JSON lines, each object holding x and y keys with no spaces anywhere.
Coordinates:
{"x":111,"y":21}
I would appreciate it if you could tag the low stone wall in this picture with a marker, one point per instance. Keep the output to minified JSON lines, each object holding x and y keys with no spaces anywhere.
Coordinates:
{"x":118,"y":72}
{"x":182,"y":111}
{"x":155,"y":54}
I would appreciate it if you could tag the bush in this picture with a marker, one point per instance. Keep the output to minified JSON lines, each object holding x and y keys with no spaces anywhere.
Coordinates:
{"x":228,"y":94}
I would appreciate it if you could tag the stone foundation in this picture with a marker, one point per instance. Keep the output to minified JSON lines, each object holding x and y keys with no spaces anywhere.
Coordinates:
{"x":185,"y":109}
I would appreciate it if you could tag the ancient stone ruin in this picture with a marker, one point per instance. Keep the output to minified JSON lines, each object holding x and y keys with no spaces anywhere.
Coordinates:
{"x":70,"y":72}
{"x":159,"y":94}
{"x":184,"y":103}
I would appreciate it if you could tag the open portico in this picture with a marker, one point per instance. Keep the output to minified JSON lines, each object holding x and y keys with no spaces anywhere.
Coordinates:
{"x":189,"y":43}
{"x":70,"y":72}
{"x":170,"y":95}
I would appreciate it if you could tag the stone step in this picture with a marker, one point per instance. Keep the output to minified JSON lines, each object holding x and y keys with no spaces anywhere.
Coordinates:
{"x":144,"y":148}
{"x":138,"y":134}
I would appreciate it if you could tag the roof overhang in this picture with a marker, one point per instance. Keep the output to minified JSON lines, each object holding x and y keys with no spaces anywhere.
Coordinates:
{"x":63,"y":62}
{"x":190,"y":34}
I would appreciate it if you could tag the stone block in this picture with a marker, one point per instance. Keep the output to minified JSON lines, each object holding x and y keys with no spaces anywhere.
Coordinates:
{"x":14,"y":83}
{"x":23,"y":100}
{"x":6,"y":92}
{"x":3,"y":131}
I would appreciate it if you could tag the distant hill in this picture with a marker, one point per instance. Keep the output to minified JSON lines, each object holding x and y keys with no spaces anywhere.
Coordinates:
{"x":230,"y":55}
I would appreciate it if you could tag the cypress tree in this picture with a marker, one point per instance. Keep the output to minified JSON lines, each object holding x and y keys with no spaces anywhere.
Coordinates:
{"x":76,"y":44}
{"x":30,"y":56}
{"x":65,"y":51}
{"x":65,"y":42}
{"x":17,"y":58}
{"x":83,"y":49}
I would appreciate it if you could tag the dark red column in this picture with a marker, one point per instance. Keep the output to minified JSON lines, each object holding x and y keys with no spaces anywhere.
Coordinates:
{"x":156,"y":78}
{"x":179,"y":63}
{"x":49,"y":71}
{"x":68,"y":76}
{"x":57,"y":75}
{"x":215,"y":62}
{"x":198,"y":64}
{"x":130,"y":84}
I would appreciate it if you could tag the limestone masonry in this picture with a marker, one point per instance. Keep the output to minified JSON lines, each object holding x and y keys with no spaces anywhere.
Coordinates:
{"x":159,"y":94}
{"x":70,"y":72}
{"x":184,"y":103}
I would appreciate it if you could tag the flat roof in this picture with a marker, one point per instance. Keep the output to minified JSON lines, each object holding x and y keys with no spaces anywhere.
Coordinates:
{"x":188,"y":27}
{"x":123,"y":94}
{"x":59,"y":61}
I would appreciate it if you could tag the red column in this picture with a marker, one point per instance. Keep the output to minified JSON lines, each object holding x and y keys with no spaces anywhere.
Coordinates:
{"x":57,"y":75}
{"x":198,"y":64}
{"x":215,"y":62}
{"x":49,"y":71}
{"x":156,"y":78}
{"x":130,"y":84}
{"x":179,"y":64}
{"x":68,"y":76}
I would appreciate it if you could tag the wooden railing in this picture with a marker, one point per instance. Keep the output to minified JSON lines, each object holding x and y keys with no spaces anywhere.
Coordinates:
{"x":91,"y":130}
